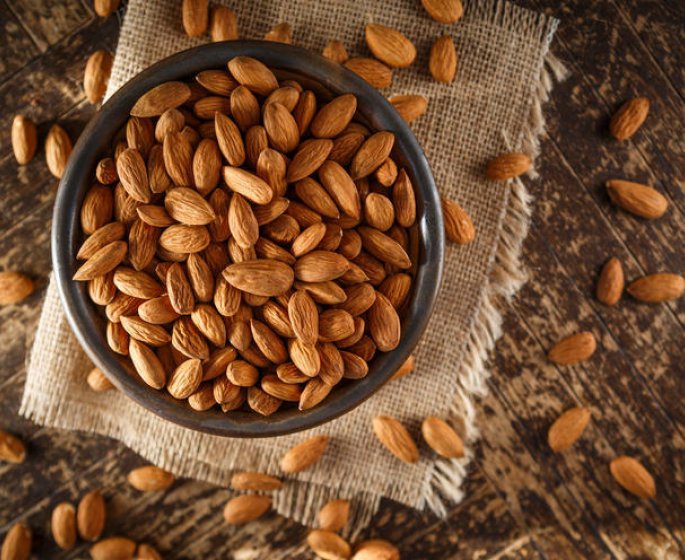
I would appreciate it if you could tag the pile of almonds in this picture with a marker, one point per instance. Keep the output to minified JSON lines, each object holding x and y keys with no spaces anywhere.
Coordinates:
{"x":248,"y":242}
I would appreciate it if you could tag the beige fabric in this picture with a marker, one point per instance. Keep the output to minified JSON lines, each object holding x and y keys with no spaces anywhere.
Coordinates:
{"x":493,"y":105}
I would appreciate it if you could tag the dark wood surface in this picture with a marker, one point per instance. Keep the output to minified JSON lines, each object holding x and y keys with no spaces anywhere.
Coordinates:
{"x":521,"y":500}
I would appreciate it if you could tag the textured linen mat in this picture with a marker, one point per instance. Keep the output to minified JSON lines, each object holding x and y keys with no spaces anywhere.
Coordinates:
{"x":504,"y":74}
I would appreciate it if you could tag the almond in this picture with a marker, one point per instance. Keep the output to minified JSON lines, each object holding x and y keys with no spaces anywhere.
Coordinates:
{"x":201,"y":277}
{"x":309,"y":239}
{"x":389,"y":45}
{"x":304,"y":454}
{"x":103,"y":8}
{"x":345,"y":146}
{"x":440,"y":436}
{"x":187,"y":339}
{"x":223,"y":24}
{"x":375,"y":73}
{"x":206,"y":107}
{"x":229,"y":139}
{"x":320,"y":266}
{"x":308,"y":159}
{"x":333,"y":117}
{"x":372,"y":269}
{"x":278,"y":389}
{"x":335,"y":324}
{"x":242,"y":373}
{"x":140,"y":134}
{"x":288,"y":373}
{"x":379,"y":211}
{"x":372,"y":153}
{"x":210,"y":324}
{"x":17,"y":543}
{"x":248,"y":185}
{"x":202,"y":399}
{"x":573,"y":349}
{"x":117,"y":338}
{"x":245,"y":108}
{"x":172,"y":120}
{"x":113,"y":548}
{"x":376,"y":549}
{"x":281,"y":33}
{"x":150,"y":479}
{"x":253,"y":74}
{"x":384,"y":324}
{"x":255,"y":481}
{"x":269,"y":343}
{"x":178,"y":151}
{"x":102,"y":289}
{"x":444,"y":11}
{"x":629,"y":118}
{"x":632,"y":476}
{"x":328,"y":545}
{"x":12,"y":449}
{"x":179,"y":290}
{"x":181,"y":238}
{"x":656,"y":288}
{"x":637,"y":199}
{"x":90,"y":516}
{"x":384,"y":247}
{"x":217,"y":82}
{"x":155,"y":216}
{"x":363,"y":350}
{"x":404,"y":200}
{"x":14,"y":287}
{"x":566,"y":429}
{"x":360,"y":298}
{"x":315,"y":197}
{"x":147,"y":364}
{"x":158,"y":178}
{"x":96,"y":76}
{"x":264,"y":277}
{"x":305,"y":357}
{"x":335,"y":51}
{"x":102,"y":261}
{"x":206,"y":166}
{"x":271,"y":168}
{"x":256,"y":141}
{"x":508,"y":166}
{"x":405,"y":369}
{"x":410,"y":107}
{"x":304,"y":111}
{"x":442,"y":61}
{"x":281,"y":128}
{"x":328,"y":293}
{"x":97,"y":208}
{"x":57,"y":150}
{"x":24,"y":139}
{"x":98,"y":382}
{"x":334,"y":515}
{"x":217,"y":362}
{"x":243,"y":509}
{"x":395,"y":438}
{"x":63,"y":525}
{"x":195,"y":16}
{"x":188,"y":207}
{"x":168,"y":95}
{"x":261,"y":402}
{"x":341,"y":188}
{"x":315,"y":391}
{"x":458,"y":225}
{"x":136,"y":283}
{"x":611,"y":281}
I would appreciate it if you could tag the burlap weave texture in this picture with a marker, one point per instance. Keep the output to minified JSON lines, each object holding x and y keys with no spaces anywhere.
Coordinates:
{"x":493,"y":105}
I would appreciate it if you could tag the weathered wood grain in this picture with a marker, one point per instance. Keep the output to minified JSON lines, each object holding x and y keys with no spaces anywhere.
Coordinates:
{"x":522,"y":501}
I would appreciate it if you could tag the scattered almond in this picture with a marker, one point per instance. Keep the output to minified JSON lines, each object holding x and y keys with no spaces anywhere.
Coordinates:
{"x":96,"y":76}
{"x":632,"y":476}
{"x":376,"y":549}
{"x":629,"y":118}
{"x":637,"y":199}
{"x":444,"y":11}
{"x":328,"y":545}
{"x":195,"y":17}
{"x":98,"y":382}
{"x":458,"y":225}
{"x":14,"y":287}
{"x":335,"y":51}
{"x":17,"y":543}
{"x":90,"y":516}
{"x":566,"y":429}
{"x":24,"y":139}
{"x":63,"y":525}
{"x":304,"y":454}
{"x":57,"y":150}
{"x":113,"y":548}
{"x":508,"y":166}
{"x":281,"y":33}
{"x":375,"y":73}
{"x":12,"y":449}
{"x":656,"y":288}
{"x":442,"y":61}
{"x":442,"y":438}
{"x":395,"y":438}
{"x":410,"y":107}
{"x":223,"y":24}
{"x":389,"y":45}
{"x":150,"y":479}
{"x":243,"y":509}
{"x":573,"y":349}
{"x":611,"y":281}
{"x":334,"y":515}
{"x":255,"y":481}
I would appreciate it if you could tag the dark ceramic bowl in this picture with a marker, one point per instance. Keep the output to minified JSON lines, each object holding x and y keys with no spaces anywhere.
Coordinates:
{"x":313,"y":71}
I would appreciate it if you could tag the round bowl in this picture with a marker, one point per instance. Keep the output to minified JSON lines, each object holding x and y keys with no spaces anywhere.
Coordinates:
{"x":427,"y":237}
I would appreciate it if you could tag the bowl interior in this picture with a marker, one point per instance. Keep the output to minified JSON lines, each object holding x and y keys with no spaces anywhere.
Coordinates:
{"x":325,"y":78}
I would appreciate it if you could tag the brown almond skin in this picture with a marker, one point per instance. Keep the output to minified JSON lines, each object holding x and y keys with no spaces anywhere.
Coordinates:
{"x":389,"y":45}
{"x":90,"y":516}
{"x":168,"y":95}
{"x":508,"y":166}
{"x":150,"y":479}
{"x":113,"y":548}
{"x":326,"y":544}
{"x":255,"y":481}
{"x":334,"y":515}
{"x":640,"y":200}
{"x":304,"y":454}
{"x":12,"y":449}
{"x":573,"y":349}
{"x":63,"y":525}
{"x":410,"y":107}
{"x":611,"y":282}
{"x":395,"y":438}
{"x":629,"y":118}
{"x":376,"y":549}
{"x":458,"y":225}
{"x":632,"y":476}
{"x":96,"y":76}
{"x":568,"y":428}
{"x":335,"y":51}
{"x":442,"y":61}
{"x":24,"y":139}
{"x":656,"y":288}
{"x":444,"y":11}
{"x":374,"y":72}
{"x":253,"y":74}
{"x":14,"y":287}
{"x":246,"y":508}
{"x":442,"y":438}
{"x":195,"y":17}
{"x":57,"y":150}
{"x":372,"y":153}
{"x":223,"y":24}
{"x":333,"y":117}
{"x":18,"y":542}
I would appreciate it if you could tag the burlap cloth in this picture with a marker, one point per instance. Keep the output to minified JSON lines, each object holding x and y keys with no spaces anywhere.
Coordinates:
{"x":493,"y":105}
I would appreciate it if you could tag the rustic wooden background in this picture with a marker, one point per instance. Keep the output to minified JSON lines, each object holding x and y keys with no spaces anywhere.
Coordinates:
{"x":521,"y":500}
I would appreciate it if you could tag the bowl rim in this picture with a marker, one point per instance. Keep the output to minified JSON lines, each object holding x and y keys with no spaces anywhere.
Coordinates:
{"x":78,"y":175}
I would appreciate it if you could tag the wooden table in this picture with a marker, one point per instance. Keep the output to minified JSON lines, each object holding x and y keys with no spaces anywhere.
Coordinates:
{"x":521,"y":500}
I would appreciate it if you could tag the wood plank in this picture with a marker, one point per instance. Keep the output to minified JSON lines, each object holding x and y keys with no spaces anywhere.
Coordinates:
{"x":49,"y":22}
{"x":16,"y":45}
{"x":52,"y":84}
